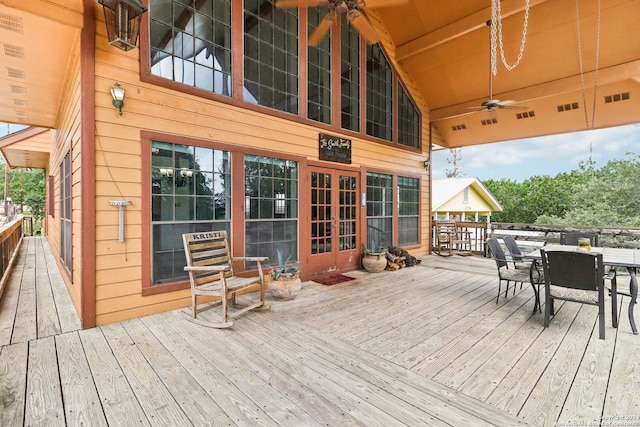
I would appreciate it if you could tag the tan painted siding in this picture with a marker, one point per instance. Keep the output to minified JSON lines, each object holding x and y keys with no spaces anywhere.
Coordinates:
{"x":67,"y":137}
{"x":152,"y":108}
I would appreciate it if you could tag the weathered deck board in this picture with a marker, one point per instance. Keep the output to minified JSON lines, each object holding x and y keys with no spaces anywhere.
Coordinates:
{"x":422,"y":346}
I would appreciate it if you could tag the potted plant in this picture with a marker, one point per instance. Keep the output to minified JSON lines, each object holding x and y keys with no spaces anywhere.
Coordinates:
{"x":284,"y":279}
{"x":374,"y":258}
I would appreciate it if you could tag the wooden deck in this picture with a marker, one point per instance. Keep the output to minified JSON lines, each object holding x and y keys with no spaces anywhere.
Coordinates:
{"x":422,"y":346}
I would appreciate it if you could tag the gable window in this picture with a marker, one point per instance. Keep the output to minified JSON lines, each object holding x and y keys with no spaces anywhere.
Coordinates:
{"x":349,"y":76}
{"x":65,"y":211}
{"x":408,"y":120}
{"x":190,"y":192}
{"x":271,"y":55}
{"x":318,"y":72}
{"x":191,"y":43}
{"x":379,"y":94}
{"x":249,"y":52}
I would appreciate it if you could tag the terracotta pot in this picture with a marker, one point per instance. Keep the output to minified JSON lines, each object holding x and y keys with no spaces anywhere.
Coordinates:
{"x":285,"y":289}
{"x":374,"y":263}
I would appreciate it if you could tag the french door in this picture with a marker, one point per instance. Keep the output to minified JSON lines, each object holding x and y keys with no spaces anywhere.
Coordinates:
{"x":334,"y":220}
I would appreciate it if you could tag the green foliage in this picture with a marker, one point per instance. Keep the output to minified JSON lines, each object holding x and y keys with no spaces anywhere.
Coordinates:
{"x":372,"y":248}
{"x":26,"y":187}
{"x":284,"y":268}
{"x":583,"y":197}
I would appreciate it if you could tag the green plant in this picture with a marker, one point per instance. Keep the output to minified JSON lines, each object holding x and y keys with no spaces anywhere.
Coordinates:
{"x":285,"y":268}
{"x":373,"y":248}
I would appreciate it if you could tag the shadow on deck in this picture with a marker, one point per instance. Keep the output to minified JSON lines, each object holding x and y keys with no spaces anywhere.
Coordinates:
{"x":426,"y":345}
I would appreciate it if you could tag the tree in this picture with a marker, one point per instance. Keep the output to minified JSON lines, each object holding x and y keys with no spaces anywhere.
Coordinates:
{"x":455,"y":160}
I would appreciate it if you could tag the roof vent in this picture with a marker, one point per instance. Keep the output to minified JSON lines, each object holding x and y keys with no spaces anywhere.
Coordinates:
{"x":10,"y":23}
{"x":459,"y":127}
{"x":15,"y":73}
{"x":13,"y":51}
{"x":19,"y":90}
{"x":568,"y":107}
{"x":491,"y":121}
{"x":616,"y":98}
{"x":526,"y":115}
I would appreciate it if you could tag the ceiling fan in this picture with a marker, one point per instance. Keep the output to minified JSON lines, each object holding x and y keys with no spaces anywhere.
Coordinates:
{"x":353,"y":10}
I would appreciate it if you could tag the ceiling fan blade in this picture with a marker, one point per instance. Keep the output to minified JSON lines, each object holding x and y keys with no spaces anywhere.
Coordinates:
{"x":301,"y":3}
{"x":381,"y":3}
{"x":322,"y":29}
{"x":364,"y":27}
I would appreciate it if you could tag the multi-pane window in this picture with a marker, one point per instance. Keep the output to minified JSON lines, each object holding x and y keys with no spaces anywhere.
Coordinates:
{"x":408,"y":120}
{"x":349,"y":76}
{"x":271,"y":207}
{"x":379,"y":209}
{"x":65,"y":211}
{"x":191,"y":43}
{"x":271,"y":55}
{"x":318,"y":72}
{"x":379,"y":94}
{"x":190,"y":192}
{"x":408,"y":210}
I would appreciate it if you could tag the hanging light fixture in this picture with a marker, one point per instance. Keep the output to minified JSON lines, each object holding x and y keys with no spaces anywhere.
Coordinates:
{"x":117,"y":93}
{"x":123,"y":22}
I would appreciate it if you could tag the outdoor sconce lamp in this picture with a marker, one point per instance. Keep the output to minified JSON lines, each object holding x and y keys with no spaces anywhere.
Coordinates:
{"x":426,"y":164}
{"x":117,"y":93}
{"x":123,"y":22}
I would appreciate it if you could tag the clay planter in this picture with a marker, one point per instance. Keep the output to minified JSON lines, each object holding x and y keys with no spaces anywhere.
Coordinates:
{"x":285,"y":289}
{"x":374,"y":262}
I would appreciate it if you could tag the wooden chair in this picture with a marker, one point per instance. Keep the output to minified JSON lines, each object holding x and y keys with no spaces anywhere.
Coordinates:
{"x":577,"y":277}
{"x":211,"y":274}
{"x":462,"y":241}
{"x":445,"y":236}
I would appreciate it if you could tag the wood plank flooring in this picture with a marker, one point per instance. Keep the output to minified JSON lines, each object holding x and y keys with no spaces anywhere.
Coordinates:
{"x":422,"y":346}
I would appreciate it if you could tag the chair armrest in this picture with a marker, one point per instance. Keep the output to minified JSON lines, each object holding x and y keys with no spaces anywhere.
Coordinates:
{"x":251,"y":258}
{"x":223,"y":267}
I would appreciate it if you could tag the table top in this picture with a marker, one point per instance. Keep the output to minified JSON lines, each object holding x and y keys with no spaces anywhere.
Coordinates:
{"x":610,"y":256}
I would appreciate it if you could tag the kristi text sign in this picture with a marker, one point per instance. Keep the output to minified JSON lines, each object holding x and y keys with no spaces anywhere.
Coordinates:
{"x":334,"y":148}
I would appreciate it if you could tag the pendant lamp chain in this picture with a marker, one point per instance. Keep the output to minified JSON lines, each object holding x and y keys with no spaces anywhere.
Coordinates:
{"x":595,"y":79}
{"x":496,"y":37}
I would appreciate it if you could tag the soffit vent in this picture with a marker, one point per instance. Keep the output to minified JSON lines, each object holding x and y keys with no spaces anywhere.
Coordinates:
{"x":10,"y":23}
{"x":13,"y":51}
{"x":16,"y":73}
{"x":568,"y":107}
{"x":616,"y":98}
{"x":19,"y":102}
{"x":458,"y":127}
{"x":21,"y":114}
{"x":20,"y":90}
{"x":491,"y":121}
{"x":526,"y":115}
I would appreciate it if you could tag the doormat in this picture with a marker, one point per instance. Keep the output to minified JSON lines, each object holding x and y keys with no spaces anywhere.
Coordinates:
{"x":333,"y":279}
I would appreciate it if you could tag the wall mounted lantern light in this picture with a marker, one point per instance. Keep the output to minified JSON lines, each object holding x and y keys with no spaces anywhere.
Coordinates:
{"x":123,"y":22}
{"x":117,"y":93}
{"x":426,"y":164}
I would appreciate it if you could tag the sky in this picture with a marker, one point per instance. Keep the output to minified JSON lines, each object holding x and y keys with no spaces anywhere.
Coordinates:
{"x":549,"y":155}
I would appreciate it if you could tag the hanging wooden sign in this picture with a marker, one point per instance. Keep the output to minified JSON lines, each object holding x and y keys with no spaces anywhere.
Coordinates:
{"x":334,"y":148}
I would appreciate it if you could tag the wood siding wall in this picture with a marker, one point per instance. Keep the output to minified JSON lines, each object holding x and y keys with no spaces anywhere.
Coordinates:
{"x":67,"y":139}
{"x":157,"y":109}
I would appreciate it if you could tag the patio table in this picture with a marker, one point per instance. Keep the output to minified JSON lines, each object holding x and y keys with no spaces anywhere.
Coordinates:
{"x":612,"y":257}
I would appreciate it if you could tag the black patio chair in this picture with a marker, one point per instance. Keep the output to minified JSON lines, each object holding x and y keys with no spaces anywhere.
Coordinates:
{"x":516,"y":275}
{"x":572,"y":238}
{"x":516,"y":255}
{"x":576,"y":277}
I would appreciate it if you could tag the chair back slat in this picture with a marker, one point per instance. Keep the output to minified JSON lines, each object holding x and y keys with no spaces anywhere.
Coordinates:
{"x":207,"y":249}
{"x":571,"y":239}
{"x":576,"y":270}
